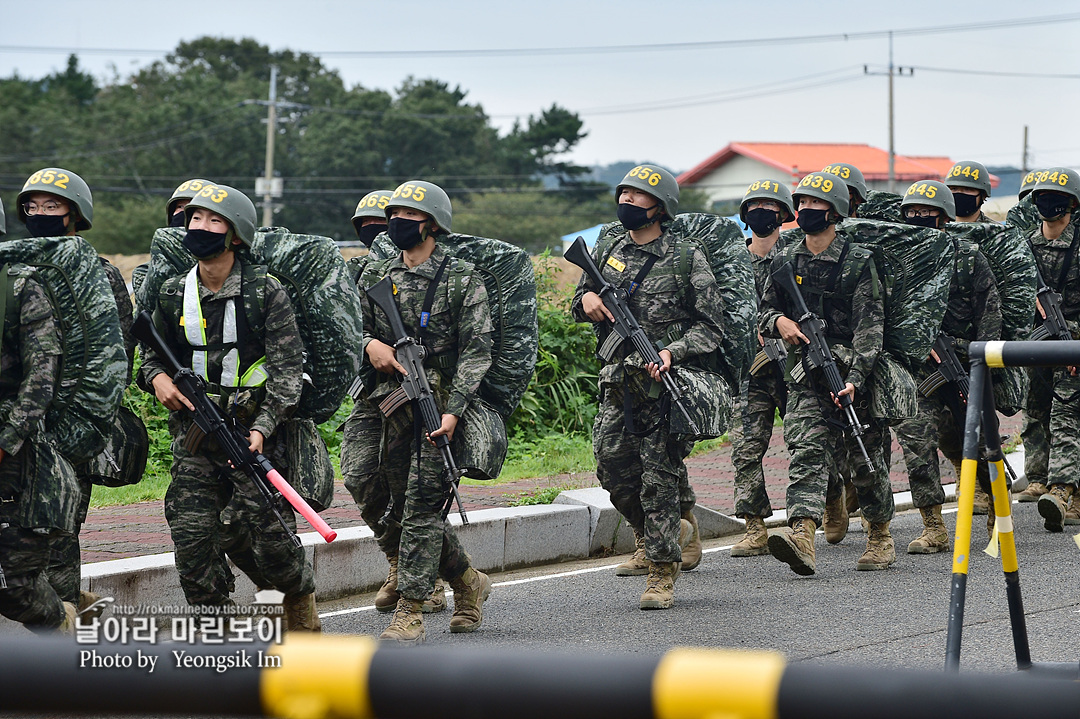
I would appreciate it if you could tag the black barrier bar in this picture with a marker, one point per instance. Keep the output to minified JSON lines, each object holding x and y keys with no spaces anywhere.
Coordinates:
{"x":1048,"y":353}
{"x":337,"y":677}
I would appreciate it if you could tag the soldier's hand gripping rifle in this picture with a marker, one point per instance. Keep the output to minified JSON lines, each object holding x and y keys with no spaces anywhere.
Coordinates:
{"x":414,"y":385}
{"x":625,"y":326}
{"x":950,"y":369}
{"x":231,"y":436}
{"x":1053,"y":326}
{"x":819,"y":355}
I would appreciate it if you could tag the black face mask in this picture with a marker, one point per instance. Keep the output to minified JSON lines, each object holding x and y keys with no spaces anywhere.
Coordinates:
{"x":368,"y":233}
{"x":205,"y":245}
{"x":813,"y":221}
{"x":763,"y":221}
{"x":405,"y":234}
{"x":633,"y":217}
{"x":177,"y":219}
{"x":1052,"y":205}
{"x":966,"y":205}
{"x":46,"y":225}
{"x":930,"y":222}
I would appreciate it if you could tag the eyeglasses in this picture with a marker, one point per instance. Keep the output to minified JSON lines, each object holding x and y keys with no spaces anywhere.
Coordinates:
{"x":923,"y":212}
{"x":763,"y":204}
{"x":50,"y":207}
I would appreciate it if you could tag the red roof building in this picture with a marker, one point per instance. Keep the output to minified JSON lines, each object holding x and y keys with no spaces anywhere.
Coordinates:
{"x":725,"y":176}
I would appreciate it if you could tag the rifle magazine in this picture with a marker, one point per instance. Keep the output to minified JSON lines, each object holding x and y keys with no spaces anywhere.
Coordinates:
{"x":931,"y":384}
{"x":761,"y":359}
{"x":609,"y":345}
{"x":393,"y":401}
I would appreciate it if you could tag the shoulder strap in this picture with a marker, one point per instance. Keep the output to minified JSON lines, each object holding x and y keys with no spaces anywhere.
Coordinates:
{"x":253,"y":291}
{"x":459,"y":273}
{"x":1067,"y":264}
{"x":429,"y":299}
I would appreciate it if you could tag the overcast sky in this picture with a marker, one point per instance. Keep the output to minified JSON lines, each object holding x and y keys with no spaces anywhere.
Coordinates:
{"x":964,"y":116}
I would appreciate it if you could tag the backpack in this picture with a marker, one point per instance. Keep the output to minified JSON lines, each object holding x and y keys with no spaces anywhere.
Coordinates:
{"x":725,"y":247}
{"x":881,"y":206}
{"x":510,"y":281}
{"x":93,"y":365}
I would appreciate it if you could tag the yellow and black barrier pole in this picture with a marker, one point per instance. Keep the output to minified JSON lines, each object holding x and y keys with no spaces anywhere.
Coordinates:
{"x":982,"y":415}
{"x":313,"y":677}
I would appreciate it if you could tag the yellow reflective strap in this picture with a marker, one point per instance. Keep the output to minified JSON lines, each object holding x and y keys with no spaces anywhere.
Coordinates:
{"x":256,"y":374}
{"x":194,"y":324}
{"x":695,"y":683}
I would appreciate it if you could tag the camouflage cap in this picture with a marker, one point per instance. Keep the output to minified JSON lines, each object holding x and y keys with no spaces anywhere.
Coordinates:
{"x":427,"y":197}
{"x":184,"y":191}
{"x":62,"y":183}
{"x":851,"y":175}
{"x":373,"y":204}
{"x":931,"y":193}
{"x":767,"y":189}
{"x":1058,"y":179}
{"x":658,"y":182}
{"x":1028,"y":183}
{"x":824,"y":186}
{"x":230,"y":203}
{"x":968,"y":174}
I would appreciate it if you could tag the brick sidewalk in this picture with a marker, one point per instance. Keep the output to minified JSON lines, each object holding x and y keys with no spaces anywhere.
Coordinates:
{"x":140,"y":529}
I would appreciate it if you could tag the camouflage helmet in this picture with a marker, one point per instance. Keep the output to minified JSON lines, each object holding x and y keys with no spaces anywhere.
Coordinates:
{"x":824,"y":186}
{"x":851,"y":175}
{"x":658,"y":182}
{"x":969,"y":174}
{"x":373,"y":204}
{"x":1028,"y":183}
{"x":767,"y":189}
{"x":427,"y":197}
{"x":61,"y":183}
{"x":185,"y":191}
{"x":230,"y":203}
{"x":1058,"y":179}
{"x":3,"y":220}
{"x":930,"y":193}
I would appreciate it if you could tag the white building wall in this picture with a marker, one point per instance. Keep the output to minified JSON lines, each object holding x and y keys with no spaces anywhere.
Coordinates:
{"x":730,"y":180}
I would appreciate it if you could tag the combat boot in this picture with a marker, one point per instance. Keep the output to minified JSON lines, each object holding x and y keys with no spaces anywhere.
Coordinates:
{"x":637,"y":565}
{"x":437,"y":601}
{"x":691,"y":551}
{"x":90,"y":606}
{"x":1072,"y":514}
{"x":756,"y":541}
{"x":1032,"y":492}
{"x":934,"y":537}
{"x":836,"y":520}
{"x":387,"y":597}
{"x":407,"y":624}
{"x":660,"y":586}
{"x":471,"y":590}
{"x":795,"y":546}
{"x":300,"y":613}
{"x":67,"y":626}
{"x":981,"y":503}
{"x":880,"y":551}
{"x":1053,"y":505}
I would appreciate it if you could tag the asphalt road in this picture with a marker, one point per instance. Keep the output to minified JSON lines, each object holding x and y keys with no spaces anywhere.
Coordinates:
{"x":896,"y":617}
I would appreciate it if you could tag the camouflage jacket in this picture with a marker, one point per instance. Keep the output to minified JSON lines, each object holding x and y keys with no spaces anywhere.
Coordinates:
{"x":974,"y":309}
{"x":280,"y":340}
{"x":683,"y":313}
{"x":30,"y":351}
{"x":124,"y":308}
{"x":855,"y":323}
{"x":763,"y":265}
{"x":459,"y":341}
{"x":1050,"y":256}
{"x":1024,"y":216}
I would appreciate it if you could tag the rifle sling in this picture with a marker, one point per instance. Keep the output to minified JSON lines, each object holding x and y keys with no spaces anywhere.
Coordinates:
{"x":628,"y":413}
{"x":429,"y":300}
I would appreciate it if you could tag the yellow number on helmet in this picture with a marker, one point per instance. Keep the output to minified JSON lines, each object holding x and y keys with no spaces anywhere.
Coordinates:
{"x":654,"y":179}
{"x":62,"y":180}
{"x":418,"y":194}
{"x":1063,"y":179}
{"x":383,"y":202}
{"x":931,"y":192}
{"x":35,"y":178}
{"x":221,"y":195}
{"x":827,"y":185}
{"x":975,"y":174}
{"x":48,"y":177}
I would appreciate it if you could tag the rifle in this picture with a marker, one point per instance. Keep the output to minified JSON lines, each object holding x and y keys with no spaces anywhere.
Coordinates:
{"x":415,"y":386}
{"x":626,"y":326}
{"x":772,"y":351}
{"x":819,"y":355}
{"x":1053,"y":326}
{"x":949,"y":369}
{"x":230,"y":435}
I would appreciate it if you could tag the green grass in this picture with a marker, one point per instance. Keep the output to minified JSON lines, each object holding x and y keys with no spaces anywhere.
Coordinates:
{"x":547,"y":457}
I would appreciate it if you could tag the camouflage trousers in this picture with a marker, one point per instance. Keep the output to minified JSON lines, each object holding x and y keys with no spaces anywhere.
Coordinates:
{"x":1064,"y":461}
{"x":766,"y":393}
{"x":236,"y":542}
{"x":202,"y":486}
{"x":820,"y":446}
{"x":361,"y":449}
{"x":65,"y":554}
{"x":1036,"y":431}
{"x":645,"y":476}
{"x":24,"y":558}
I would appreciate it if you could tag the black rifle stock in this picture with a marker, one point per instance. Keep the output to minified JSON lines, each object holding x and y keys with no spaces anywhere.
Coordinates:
{"x":818,"y":353}
{"x":1053,"y":326}
{"x":415,"y":386}
{"x":625,"y":327}
{"x":231,"y":436}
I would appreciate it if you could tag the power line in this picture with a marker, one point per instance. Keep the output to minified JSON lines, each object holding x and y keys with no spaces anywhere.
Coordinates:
{"x":996,"y":73}
{"x":610,"y":49}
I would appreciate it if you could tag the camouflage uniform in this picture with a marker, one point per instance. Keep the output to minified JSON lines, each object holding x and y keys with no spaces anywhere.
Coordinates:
{"x":813,"y":426}
{"x":1023,"y":216}
{"x":646,"y":476}
{"x":766,"y":393}
{"x":65,"y":562}
{"x":460,"y":355}
{"x":203,"y":484}
{"x":973,"y":313}
{"x":30,"y":350}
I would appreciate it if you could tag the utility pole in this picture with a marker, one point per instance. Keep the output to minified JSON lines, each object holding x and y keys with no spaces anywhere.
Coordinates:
{"x":271,"y":132}
{"x":1024,"y":161}
{"x":892,"y":71}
